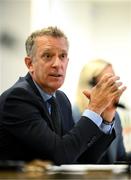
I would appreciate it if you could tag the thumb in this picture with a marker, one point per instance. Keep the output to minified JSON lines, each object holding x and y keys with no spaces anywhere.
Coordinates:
{"x":87,"y":93}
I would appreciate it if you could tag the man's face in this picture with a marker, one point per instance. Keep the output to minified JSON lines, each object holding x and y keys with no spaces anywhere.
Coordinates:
{"x":49,"y":63}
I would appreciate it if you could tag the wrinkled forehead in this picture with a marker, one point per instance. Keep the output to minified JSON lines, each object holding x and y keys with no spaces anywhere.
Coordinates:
{"x":50,"y":41}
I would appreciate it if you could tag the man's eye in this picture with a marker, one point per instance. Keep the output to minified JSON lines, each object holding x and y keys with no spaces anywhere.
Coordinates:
{"x":46,"y":56}
{"x":63,"y":55}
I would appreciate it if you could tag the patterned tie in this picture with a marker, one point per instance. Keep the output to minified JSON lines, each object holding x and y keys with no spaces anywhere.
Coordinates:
{"x":55,"y":115}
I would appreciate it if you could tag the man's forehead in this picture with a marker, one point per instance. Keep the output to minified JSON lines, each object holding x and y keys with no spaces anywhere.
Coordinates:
{"x":52,"y":42}
{"x":48,"y":38}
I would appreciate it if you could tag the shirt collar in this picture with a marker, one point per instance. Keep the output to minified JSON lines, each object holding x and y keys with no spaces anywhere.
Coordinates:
{"x":44,"y":95}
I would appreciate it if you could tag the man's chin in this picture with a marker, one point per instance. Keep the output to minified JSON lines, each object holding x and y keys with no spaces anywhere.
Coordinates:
{"x":55,"y":86}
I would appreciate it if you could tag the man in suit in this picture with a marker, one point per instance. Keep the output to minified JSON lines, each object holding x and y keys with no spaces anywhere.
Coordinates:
{"x":27,"y":130}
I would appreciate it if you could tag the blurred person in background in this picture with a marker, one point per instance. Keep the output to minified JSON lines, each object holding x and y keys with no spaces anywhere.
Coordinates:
{"x":89,"y":77}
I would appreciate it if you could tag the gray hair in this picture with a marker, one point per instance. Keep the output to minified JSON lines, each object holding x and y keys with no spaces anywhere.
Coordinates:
{"x":49,"y":31}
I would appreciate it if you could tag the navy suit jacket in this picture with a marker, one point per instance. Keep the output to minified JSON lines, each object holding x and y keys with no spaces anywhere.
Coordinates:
{"x":26,"y":130}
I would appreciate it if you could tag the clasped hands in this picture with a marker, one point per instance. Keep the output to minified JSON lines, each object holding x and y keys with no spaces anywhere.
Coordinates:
{"x":105,"y":95}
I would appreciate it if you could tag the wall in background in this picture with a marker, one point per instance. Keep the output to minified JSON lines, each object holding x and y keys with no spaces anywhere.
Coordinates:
{"x":14,"y":28}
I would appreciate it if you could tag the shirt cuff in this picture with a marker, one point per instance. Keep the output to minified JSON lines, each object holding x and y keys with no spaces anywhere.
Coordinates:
{"x":107,"y":128}
{"x":97,"y":119}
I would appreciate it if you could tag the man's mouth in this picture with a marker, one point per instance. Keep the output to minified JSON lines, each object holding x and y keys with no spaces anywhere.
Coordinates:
{"x":56,"y":75}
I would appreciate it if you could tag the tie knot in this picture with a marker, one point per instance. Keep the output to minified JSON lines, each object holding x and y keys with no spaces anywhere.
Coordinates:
{"x":52,"y":100}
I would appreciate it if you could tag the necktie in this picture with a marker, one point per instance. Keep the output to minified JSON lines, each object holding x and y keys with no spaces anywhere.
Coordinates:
{"x":55,"y":115}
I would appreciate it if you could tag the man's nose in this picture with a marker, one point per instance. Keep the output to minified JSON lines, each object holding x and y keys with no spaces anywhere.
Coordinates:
{"x":56,"y":61}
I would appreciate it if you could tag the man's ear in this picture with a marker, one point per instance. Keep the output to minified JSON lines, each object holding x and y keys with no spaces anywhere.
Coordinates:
{"x":29,"y":64}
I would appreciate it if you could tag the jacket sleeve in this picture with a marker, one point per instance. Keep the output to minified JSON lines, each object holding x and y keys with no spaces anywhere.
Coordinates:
{"x":98,"y":148}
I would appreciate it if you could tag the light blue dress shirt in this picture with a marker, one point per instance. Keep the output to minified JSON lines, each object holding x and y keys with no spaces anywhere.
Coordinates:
{"x":45,"y":96}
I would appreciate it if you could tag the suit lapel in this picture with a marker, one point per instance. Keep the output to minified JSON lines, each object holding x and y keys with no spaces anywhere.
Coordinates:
{"x":42,"y":104}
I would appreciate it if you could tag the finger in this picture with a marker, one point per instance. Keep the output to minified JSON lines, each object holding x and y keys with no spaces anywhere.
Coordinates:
{"x":122,"y":90}
{"x":87,"y":93}
{"x":109,"y":76}
{"x":112,"y":80}
{"x":116,"y":102}
{"x":119,"y":92}
{"x":105,"y":77}
{"x":116,"y":86}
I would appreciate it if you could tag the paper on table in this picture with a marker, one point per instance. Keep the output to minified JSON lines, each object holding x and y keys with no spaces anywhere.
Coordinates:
{"x":78,"y":168}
